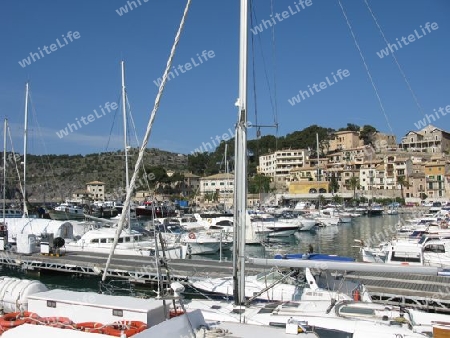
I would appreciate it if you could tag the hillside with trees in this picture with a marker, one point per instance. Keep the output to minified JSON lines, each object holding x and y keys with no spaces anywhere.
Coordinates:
{"x":57,"y":177}
{"x":209,"y":163}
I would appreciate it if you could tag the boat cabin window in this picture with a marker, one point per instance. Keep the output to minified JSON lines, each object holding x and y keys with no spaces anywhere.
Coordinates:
{"x":120,"y":240}
{"x":225,"y":223}
{"x":95,"y":240}
{"x":136,"y":238}
{"x":423,"y":239}
{"x":356,"y":311}
{"x":102,"y":240}
{"x":405,"y":257}
{"x":435,"y":248}
{"x":127,"y":239}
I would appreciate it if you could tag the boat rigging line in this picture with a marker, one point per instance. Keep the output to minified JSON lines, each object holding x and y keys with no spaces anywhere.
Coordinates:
{"x":145,"y":141}
{"x":272,"y":96}
{"x":416,"y":100}
{"x":366,"y":67}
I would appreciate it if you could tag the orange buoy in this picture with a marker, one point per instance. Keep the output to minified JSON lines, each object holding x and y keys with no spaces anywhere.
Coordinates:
{"x":176,"y":312}
{"x":129,"y":328}
{"x":192,"y":235}
{"x":92,"y":327}
{"x":356,"y":295}
{"x":17,"y":318}
{"x":57,"y":321}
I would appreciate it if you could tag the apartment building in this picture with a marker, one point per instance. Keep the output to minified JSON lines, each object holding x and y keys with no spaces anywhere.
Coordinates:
{"x":279,"y":164}
{"x":345,"y":140}
{"x":370,"y":174}
{"x":429,"y":139}
{"x":435,"y":177}
{"x":96,"y":190}
{"x":220,"y":183}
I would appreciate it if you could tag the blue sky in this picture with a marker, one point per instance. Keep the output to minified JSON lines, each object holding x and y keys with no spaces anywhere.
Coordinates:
{"x":78,"y":77}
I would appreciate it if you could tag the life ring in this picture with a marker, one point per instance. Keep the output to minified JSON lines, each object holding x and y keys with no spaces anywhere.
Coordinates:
{"x":57,"y":321}
{"x":16,"y":319}
{"x":92,"y":327}
{"x":192,"y":235}
{"x":129,"y":328}
{"x":176,"y":312}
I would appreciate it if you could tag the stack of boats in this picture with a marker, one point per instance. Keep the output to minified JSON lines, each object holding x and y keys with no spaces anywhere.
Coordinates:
{"x":422,"y":241}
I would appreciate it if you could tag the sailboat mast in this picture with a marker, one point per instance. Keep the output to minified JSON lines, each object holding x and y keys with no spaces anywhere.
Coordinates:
{"x":240,"y":176}
{"x":124,"y":113}
{"x":25,"y":146}
{"x":5,"y":126}
{"x":318,"y":158}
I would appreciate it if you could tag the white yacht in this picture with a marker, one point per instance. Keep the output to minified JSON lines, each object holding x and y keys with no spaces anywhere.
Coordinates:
{"x":129,"y":243}
{"x":291,"y":286}
{"x":206,"y":242}
{"x":274,"y":227}
{"x":427,"y":252}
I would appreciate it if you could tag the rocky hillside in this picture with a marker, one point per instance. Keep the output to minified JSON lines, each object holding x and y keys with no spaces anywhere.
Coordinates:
{"x":57,"y":177}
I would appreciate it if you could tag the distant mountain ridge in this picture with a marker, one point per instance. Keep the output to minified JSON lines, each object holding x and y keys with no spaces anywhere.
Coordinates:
{"x":57,"y":177}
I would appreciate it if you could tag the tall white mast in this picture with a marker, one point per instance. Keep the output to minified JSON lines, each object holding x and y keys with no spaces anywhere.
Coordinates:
{"x":5,"y":126}
{"x":240,"y":176}
{"x":318,"y":159}
{"x":25,"y":141}
{"x":124,"y":113}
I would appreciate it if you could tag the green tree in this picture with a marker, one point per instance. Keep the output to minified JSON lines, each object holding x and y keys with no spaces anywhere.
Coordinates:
{"x":337,"y":199}
{"x":367,"y":133}
{"x":350,"y":127}
{"x":353,"y":183}
{"x":322,"y":200}
{"x":334,"y":184}
{"x":403,"y":183}
{"x":259,"y":184}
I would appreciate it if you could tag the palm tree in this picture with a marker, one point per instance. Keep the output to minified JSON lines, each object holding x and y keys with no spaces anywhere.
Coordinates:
{"x":402,"y":182}
{"x":353,"y":183}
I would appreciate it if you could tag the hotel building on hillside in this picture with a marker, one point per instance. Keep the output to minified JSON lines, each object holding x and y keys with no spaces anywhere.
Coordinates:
{"x":279,"y":164}
{"x":220,"y":183}
{"x":96,"y":190}
{"x":430,"y":139}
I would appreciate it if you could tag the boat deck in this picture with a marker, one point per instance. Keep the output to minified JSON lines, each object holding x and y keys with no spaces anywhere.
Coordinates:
{"x":425,"y":292}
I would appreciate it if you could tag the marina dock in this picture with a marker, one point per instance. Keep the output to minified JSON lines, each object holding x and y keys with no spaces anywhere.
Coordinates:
{"x":424,"y":292}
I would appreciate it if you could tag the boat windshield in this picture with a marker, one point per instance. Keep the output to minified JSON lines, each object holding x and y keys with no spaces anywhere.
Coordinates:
{"x":273,"y":276}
